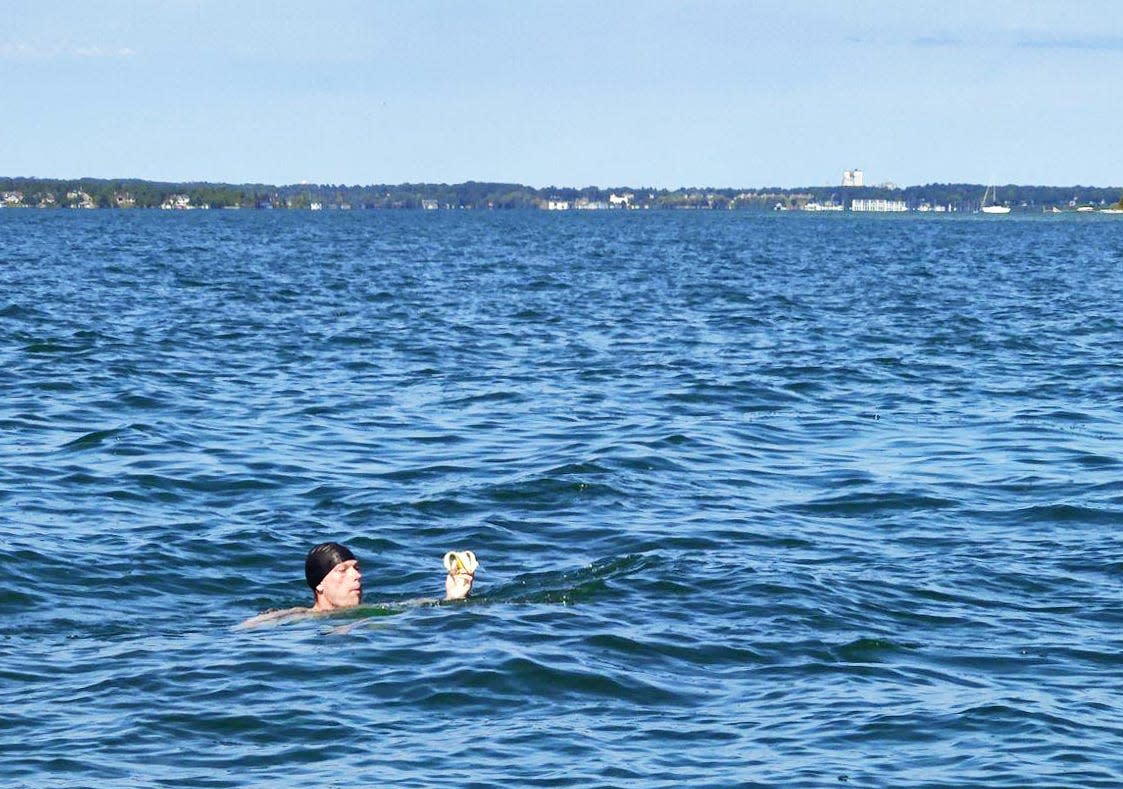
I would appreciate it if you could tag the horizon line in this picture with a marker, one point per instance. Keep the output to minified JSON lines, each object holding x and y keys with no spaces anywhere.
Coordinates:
{"x":884,"y":185}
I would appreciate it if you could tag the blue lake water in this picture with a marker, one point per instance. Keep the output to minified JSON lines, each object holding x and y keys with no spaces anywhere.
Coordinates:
{"x":761,"y":500}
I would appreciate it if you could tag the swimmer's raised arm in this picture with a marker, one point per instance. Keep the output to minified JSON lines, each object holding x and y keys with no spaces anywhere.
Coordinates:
{"x":461,"y":566}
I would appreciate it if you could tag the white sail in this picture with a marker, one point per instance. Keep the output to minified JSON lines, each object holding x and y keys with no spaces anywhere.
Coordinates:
{"x":993,"y":207}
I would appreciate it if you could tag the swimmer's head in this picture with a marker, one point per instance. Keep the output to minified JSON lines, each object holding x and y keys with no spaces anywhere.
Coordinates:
{"x":332,"y":572}
{"x":322,"y":558}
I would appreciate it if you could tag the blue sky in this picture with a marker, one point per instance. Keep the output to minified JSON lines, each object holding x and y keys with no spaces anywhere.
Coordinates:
{"x":572,"y":93}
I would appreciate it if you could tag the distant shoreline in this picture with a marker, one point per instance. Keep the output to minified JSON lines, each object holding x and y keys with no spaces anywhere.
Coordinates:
{"x":127,"y":193}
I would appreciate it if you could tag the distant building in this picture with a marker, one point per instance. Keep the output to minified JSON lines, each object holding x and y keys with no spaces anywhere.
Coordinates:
{"x":621,"y":201}
{"x":585,"y":204}
{"x":817,"y":206}
{"x":176,"y":203}
{"x":81,"y":199}
{"x":879,"y":206}
{"x":429,"y":205}
{"x":853,"y":178}
{"x":557,"y":205}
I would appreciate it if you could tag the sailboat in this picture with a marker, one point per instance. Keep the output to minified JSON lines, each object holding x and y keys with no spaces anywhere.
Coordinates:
{"x":993,"y":207}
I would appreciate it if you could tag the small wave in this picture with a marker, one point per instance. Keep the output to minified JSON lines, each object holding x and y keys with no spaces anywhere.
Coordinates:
{"x":14,"y":310}
{"x":350,"y":340}
{"x":95,"y":438}
{"x":439,"y":506}
{"x":484,"y":398}
{"x":868,"y":503}
{"x":143,"y":402}
{"x":548,"y":493}
{"x":1064,"y":513}
{"x":1093,"y":460}
{"x":866,"y":650}
{"x":540,"y":681}
{"x":423,"y":473}
{"x":13,"y":601}
{"x":441,"y":438}
{"x":50,"y":347}
{"x":1038,"y":416}
{"x":572,"y":586}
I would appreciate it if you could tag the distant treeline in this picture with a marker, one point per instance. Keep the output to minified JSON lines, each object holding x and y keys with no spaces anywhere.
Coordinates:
{"x":134,"y":193}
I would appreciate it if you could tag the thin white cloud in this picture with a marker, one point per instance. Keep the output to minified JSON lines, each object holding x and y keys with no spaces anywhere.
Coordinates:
{"x":17,"y":50}
{"x":13,"y":50}
{"x":1090,"y":43}
{"x":937,"y":41}
{"x":99,"y":52}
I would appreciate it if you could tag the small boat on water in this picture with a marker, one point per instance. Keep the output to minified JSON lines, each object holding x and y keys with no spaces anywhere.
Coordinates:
{"x":992,"y":207}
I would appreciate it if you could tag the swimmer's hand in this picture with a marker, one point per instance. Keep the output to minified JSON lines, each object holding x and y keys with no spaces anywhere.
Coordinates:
{"x":461,"y":566}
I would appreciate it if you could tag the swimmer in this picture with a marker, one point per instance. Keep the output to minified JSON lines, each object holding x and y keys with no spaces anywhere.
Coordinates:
{"x":332,"y":572}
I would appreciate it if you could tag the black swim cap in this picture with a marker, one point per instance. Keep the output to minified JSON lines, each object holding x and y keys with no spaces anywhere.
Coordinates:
{"x":322,"y":558}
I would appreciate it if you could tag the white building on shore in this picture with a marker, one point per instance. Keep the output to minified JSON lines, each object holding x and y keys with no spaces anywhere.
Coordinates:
{"x":878,"y":206}
{"x":176,"y":203}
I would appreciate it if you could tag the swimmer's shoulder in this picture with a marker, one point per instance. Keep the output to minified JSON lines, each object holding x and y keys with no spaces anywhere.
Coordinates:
{"x":277,"y":615}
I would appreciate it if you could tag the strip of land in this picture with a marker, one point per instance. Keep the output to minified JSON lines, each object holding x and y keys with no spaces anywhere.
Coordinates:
{"x":46,"y":193}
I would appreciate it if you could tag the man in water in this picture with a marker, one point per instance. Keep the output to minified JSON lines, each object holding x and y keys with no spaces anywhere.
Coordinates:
{"x":332,"y":572}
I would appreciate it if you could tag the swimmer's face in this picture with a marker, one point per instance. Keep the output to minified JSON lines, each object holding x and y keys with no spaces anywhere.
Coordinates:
{"x":342,"y":587}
